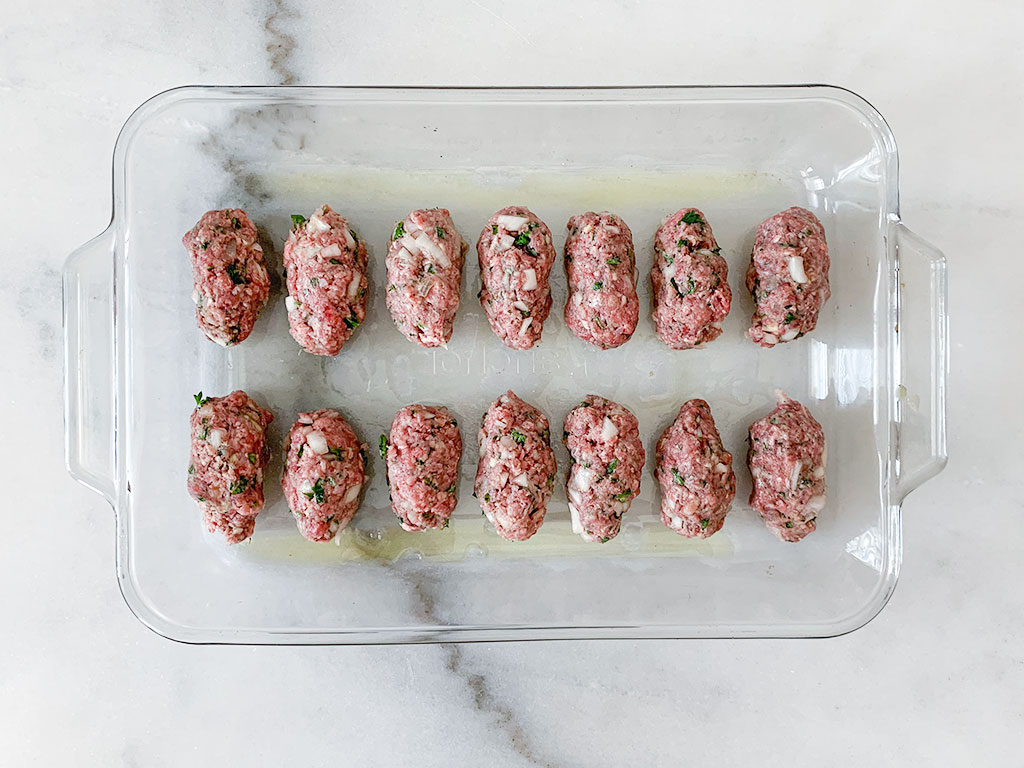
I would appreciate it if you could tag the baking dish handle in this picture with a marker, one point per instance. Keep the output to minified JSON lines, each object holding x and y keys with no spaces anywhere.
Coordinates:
{"x":923,"y":363}
{"x":88,"y":363}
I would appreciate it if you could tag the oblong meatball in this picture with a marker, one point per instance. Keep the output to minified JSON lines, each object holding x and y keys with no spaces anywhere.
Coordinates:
{"x":607,"y":458}
{"x":787,"y":457}
{"x":516,"y":473}
{"x":228,"y":455}
{"x":230,"y":280}
{"x":422,"y":456}
{"x":695,"y":473}
{"x":324,"y":473}
{"x":425,"y":259}
{"x":787,"y":277}
{"x":689,"y":280}
{"x":600,"y":265}
{"x":325,"y":267}
{"x":516,"y":255}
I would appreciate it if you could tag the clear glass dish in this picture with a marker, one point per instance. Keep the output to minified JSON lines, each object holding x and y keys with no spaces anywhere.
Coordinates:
{"x":873,"y":372}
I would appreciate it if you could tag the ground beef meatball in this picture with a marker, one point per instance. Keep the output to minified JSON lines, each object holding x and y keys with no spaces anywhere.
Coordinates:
{"x":787,"y":277}
{"x":422,"y":456}
{"x":230,"y":280}
{"x":607,"y":458}
{"x":602,"y":307}
{"x":229,"y":454}
{"x":695,"y":473}
{"x":424,"y":261}
{"x":325,"y":268}
{"x":516,"y":255}
{"x":689,"y":280}
{"x":787,"y":457}
{"x":324,"y":473}
{"x":516,"y":473}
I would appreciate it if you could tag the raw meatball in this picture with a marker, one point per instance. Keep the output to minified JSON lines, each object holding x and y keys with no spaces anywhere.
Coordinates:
{"x":229,"y":454}
{"x":425,"y":260}
{"x":516,"y":255}
{"x":516,"y":473}
{"x":422,"y":458}
{"x":787,"y":277}
{"x":695,"y":473}
{"x":325,"y":266}
{"x":230,"y":280}
{"x":606,"y":457}
{"x":689,"y":281}
{"x":324,"y":472}
{"x":787,"y":459}
{"x":602,"y":307}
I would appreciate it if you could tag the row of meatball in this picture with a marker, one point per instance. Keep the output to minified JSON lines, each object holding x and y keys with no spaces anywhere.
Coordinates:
{"x":326,"y":266}
{"x":325,"y":468}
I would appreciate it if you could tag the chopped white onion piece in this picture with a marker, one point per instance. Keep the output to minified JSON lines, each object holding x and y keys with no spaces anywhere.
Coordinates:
{"x":819,"y":472}
{"x":721,"y":468}
{"x":824,"y":454}
{"x":520,"y":305}
{"x":493,"y":462}
{"x":353,"y":286}
{"x":612,"y":228}
{"x":771,"y":338}
{"x":608,"y":430}
{"x":522,"y":480}
{"x":290,"y":304}
{"x":432,"y":249}
{"x":317,"y":442}
{"x":353,"y":493}
{"x":511,"y":223}
{"x":349,"y":240}
{"x":195,"y":295}
{"x":526,"y":324}
{"x":574,"y":514}
{"x":817,"y":503}
{"x":502,"y":479}
{"x":331,"y":251}
{"x":755,"y":472}
{"x":529,"y":279}
{"x":410,"y":243}
{"x":582,"y":478}
{"x":503,"y":242}
{"x":794,"y":475}
{"x":316,"y":224}
{"x":789,"y":335}
{"x":575,"y":495}
{"x":404,"y":256}
{"x":216,"y":438}
{"x":796,"y":269}
{"x":669,"y":271}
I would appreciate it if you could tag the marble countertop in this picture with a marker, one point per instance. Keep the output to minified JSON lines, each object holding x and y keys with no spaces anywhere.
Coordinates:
{"x":934,"y":680}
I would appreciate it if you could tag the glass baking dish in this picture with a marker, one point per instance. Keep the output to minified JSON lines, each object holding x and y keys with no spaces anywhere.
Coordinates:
{"x":873,"y":372}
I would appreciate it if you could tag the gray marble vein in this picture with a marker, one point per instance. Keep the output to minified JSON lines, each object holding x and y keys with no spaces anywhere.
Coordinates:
{"x":486,"y":701}
{"x":280,"y":43}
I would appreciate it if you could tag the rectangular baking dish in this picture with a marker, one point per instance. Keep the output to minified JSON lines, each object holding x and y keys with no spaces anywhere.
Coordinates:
{"x":873,"y":372}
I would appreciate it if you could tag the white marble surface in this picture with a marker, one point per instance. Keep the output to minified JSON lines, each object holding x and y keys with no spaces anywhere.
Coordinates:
{"x":934,"y":680}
